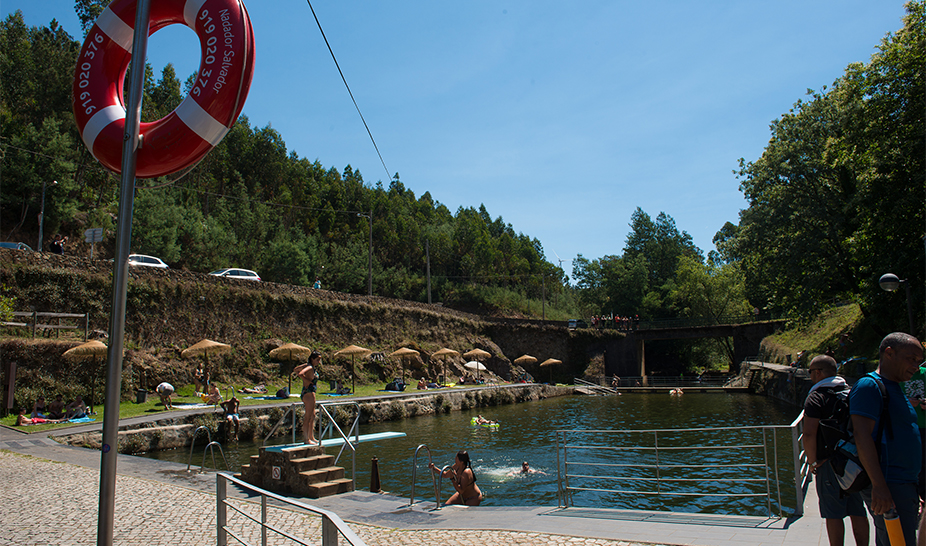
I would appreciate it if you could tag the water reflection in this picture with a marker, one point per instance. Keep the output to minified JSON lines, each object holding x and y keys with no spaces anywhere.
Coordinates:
{"x":527,"y":433}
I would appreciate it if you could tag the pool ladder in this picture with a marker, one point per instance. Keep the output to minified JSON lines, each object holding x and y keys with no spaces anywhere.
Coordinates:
{"x":210,"y":447}
{"x":436,"y":480}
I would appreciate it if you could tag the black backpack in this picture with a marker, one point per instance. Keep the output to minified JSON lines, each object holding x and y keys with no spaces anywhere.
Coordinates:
{"x":837,"y":427}
{"x":850,"y":473}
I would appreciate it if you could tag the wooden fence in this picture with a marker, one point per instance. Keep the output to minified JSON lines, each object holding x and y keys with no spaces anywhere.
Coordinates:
{"x":50,"y":322}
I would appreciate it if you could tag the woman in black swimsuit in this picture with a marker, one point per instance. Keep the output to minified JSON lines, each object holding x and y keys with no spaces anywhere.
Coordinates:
{"x":464,"y":481}
{"x":309,"y":386}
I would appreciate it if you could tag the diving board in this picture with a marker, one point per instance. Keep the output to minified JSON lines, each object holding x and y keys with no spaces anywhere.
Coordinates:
{"x":329,"y":442}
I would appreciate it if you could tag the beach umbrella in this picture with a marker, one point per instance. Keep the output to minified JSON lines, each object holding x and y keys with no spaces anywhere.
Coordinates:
{"x":402,"y":353}
{"x":525,"y":359}
{"x":290,"y":352}
{"x":476,"y":354}
{"x":550,"y":362}
{"x":473,"y":365}
{"x":93,"y":351}
{"x":353,"y":351}
{"x":445,"y":352}
{"x":205,"y":348}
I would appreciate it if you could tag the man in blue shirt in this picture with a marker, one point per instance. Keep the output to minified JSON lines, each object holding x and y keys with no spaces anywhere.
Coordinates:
{"x":892,"y":461}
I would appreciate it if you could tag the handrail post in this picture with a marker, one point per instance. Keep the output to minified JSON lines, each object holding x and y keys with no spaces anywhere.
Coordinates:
{"x":329,"y":532}
{"x":796,"y":429}
{"x":263,"y":520}
{"x":220,"y":516}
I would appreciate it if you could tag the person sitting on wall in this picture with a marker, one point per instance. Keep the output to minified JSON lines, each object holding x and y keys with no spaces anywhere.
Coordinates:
{"x":231,"y":414}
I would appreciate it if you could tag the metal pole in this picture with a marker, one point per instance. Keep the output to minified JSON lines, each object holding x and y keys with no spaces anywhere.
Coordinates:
{"x":120,"y":279}
{"x":370,"y":257}
{"x":41,"y":218}
{"x":906,"y":283}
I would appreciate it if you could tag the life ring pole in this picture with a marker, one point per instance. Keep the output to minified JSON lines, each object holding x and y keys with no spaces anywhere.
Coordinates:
{"x":110,"y":450}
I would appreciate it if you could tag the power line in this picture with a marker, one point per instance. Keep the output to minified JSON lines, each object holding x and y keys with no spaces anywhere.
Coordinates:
{"x":343,"y":79}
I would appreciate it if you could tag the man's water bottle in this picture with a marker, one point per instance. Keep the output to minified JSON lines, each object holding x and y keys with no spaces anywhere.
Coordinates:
{"x":894,"y":529}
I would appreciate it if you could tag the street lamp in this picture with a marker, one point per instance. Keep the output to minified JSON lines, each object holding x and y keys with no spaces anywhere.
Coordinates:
{"x":891,"y":282}
{"x":42,"y":215}
{"x":369,"y":218}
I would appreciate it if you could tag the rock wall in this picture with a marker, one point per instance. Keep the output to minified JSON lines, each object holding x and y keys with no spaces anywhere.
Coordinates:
{"x":256,"y":423}
{"x":783,"y":383}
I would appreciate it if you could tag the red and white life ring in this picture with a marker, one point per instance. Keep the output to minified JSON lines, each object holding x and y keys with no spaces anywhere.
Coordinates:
{"x":184,"y":136}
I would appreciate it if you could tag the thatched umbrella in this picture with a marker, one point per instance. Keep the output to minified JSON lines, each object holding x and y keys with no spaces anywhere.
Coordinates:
{"x":444,"y":352}
{"x":205,"y":348}
{"x":476,"y":354}
{"x":353,"y":351}
{"x":550,"y":362}
{"x":402,"y":353}
{"x":525,"y":359}
{"x":92,"y":350}
{"x":289,"y":352}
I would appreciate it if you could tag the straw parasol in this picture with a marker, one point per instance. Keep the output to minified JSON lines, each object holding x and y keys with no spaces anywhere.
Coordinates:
{"x":353,"y":350}
{"x":550,"y":362}
{"x":444,"y":352}
{"x":476,"y":354}
{"x":92,"y":350}
{"x":525,"y":359}
{"x":289,"y":352}
{"x":402,"y":353}
{"x":205,"y":348}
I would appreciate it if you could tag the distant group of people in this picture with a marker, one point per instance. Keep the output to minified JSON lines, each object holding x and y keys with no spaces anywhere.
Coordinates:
{"x":424,"y":384}
{"x":625,"y":323}
{"x":56,"y":411}
{"x":470,"y":379}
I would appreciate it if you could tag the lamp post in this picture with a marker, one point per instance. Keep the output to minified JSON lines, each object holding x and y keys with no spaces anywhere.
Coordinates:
{"x":891,"y":282}
{"x":369,"y":218}
{"x":42,"y":215}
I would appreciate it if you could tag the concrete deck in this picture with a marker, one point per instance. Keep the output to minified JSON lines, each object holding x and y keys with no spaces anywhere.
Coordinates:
{"x":159,"y":502}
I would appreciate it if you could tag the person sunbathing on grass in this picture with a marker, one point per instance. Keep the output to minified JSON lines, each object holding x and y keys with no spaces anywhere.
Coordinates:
{"x":22,"y":420}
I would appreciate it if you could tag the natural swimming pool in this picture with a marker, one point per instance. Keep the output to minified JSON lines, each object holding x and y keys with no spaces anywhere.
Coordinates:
{"x":526,"y":433}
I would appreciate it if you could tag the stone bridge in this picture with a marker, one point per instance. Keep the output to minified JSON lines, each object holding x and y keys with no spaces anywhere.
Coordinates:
{"x":627,"y":357}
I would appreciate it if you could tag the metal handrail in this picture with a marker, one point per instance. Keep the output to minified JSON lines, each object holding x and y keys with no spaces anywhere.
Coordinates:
{"x":659,"y":474}
{"x":435,"y":481}
{"x":332,"y":524}
{"x":291,"y":409}
{"x":210,"y":447}
{"x":333,"y":426}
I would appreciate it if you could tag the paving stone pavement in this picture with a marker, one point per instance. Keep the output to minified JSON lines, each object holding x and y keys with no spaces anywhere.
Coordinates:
{"x":48,"y":502}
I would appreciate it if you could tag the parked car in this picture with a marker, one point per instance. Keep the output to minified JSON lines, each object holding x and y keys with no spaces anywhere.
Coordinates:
{"x":149,"y":261}
{"x":16,"y":246}
{"x":576,"y":323}
{"x":234,"y":273}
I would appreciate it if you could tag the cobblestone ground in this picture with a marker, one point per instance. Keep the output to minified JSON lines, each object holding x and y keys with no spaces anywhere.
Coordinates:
{"x":47,"y":503}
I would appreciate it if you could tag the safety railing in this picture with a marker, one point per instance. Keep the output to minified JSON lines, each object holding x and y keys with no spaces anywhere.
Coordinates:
{"x":210,"y":448}
{"x":30,"y":320}
{"x":725,"y":468}
{"x":435,"y":480}
{"x":333,"y":430}
{"x":332,"y":525}
{"x":593,"y":388}
{"x":290,"y":411}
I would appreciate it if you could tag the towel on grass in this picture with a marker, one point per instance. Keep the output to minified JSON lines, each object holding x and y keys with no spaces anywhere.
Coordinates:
{"x":184,"y":405}
{"x":81,"y":420}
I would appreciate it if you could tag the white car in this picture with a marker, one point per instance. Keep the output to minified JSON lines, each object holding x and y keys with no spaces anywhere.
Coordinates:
{"x":148,"y":261}
{"x":234,"y":273}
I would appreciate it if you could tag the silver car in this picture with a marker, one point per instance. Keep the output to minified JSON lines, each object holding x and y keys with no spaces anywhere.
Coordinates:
{"x":148,"y":261}
{"x":235,"y":273}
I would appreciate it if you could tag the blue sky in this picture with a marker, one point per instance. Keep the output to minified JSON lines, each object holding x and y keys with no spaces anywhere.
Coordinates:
{"x":561,"y":118}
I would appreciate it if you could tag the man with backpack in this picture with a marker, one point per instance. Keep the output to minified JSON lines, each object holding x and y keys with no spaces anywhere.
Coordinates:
{"x":892,"y":458}
{"x":828,"y":402}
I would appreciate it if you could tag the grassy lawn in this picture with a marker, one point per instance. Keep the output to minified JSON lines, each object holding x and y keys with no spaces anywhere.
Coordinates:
{"x":187,"y":395}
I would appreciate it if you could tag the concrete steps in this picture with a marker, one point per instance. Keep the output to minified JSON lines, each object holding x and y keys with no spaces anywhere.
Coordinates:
{"x":299,"y":470}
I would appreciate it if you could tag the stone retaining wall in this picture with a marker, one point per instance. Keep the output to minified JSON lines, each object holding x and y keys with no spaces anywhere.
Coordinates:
{"x":177,"y":432}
